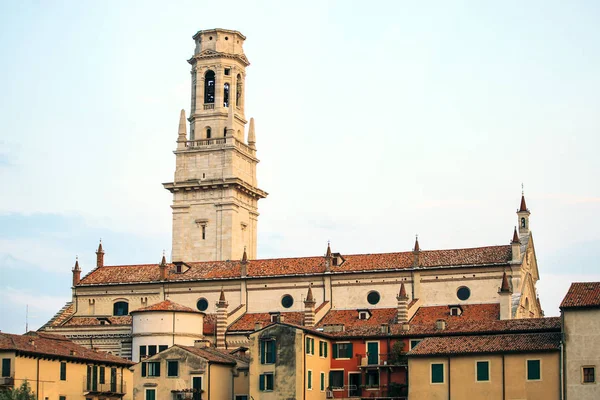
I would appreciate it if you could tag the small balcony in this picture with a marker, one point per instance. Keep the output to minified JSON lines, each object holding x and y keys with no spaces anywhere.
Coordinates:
{"x":388,"y":360}
{"x":385,"y":392}
{"x":6,"y":382}
{"x":110,"y":388}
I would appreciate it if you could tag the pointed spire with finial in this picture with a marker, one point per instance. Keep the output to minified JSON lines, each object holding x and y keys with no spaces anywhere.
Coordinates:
{"x":402,"y":294}
{"x":76,"y":267}
{"x":163,"y":262}
{"x":222,"y":296}
{"x":76,"y":272}
{"x":328,"y":252}
{"x":251,"y":134}
{"x":100,"y":256}
{"x":182,"y":132}
{"x":244,"y":256}
{"x":515,"y":238}
{"x":162,"y":267}
{"x":309,"y":295}
{"x":416,"y":252}
{"x":416,"y":249}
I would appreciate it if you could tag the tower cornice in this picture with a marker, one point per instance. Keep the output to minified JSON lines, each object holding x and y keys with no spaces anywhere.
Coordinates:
{"x":210,"y":54}
{"x":211,"y":184}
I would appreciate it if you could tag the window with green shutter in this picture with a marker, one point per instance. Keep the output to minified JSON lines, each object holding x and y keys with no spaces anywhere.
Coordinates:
{"x":143,"y":369}
{"x":142,"y":351}
{"x":265,"y":382}
{"x":336,"y":379}
{"x":102,"y":375}
{"x":63,"y":371}
{"x":342,"y":350}
{"x":62,"y":397}
{"x":150,"y":394}
{"x":6,"y":367}
{"x":323,"y":380}
{"x":172,"y":368}
{"x":162,"y":347}
{"x":437,"y":373}
{"x":153,"y":368}
{"x":534,"y":372}
{"x":267,"y":351}
{"x":309,"y":380}
{"x":307,"y":345}
{"x":483,"y":371}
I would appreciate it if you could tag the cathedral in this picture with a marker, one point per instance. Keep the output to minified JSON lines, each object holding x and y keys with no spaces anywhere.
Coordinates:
{"x":217,"y":290}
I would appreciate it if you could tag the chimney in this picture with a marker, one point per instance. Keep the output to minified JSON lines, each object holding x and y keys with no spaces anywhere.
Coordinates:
{"x":281,"y":318}
{"x":76,"y":272}
{"x":385,"y":329}
{"x":258,"y":325}
{"x":328,"y":259}
{"x":440,"y":325}
{"x":201,"y":343}
{"x":244,"y":264}
{"x":405,"y":327}
{"x":100,"y":256}
{"x":416,"y":252}
{"x":402,"y":304}
{"x":516,"y":247}
{"x":309,"y":308}
{"x":221,"y":321}
{"x":505,"y":293}
{"x":163,"y":268}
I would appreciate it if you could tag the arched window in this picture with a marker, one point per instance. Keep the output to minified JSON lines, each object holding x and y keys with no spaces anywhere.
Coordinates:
{"x":208,"y":133}
{"x":226,"y":95}
{"x":209,"y":87}
{"x":238,"y":90}
{"x":120,"y":308}
{"x":523,"y":223}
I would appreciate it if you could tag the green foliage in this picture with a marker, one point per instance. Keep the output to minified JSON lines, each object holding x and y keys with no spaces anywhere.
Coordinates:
{"x":397,"y":355}
{"x":21,"y":393}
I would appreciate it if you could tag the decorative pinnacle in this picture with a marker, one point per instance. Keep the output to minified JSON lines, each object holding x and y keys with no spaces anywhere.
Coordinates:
{"x":163,"y":262}
{"x":328,"y":253}
{"x":309,"y":295}
{"x":505,"y":288}
{"x":402,"y":294}
{"x":244,"y":256}
{"x":417,"y":248}
{"x":222,"y":296}
{"x":76,"y":267}
{"x":182,"y":133}
{"x":515,"y":238}
{"x":100,"y":249}
{"x":251,"y":134}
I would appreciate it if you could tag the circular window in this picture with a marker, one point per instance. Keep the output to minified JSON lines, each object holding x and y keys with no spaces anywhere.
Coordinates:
{"x":287,"y":301}
{"x":463,"y":293}
{"x":210,"y":38}
{"x":202,"y":304}
{"x":373,"y":297}
{"x":226,"y":38}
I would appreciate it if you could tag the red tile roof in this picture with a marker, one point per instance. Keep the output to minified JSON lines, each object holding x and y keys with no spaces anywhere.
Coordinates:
{"x":349,"y":318}
{"x":56,"y":346}
{"x":211,"y":354}
{"x":247,"y":321}
{"x":124,"y":320}
{"x":470,"y":313}
{"x":61,"y":316}
{"x":166,"y":305}
{"x":493,"y":255}
{"x":506,"y":343}
{"x":582,"y":295}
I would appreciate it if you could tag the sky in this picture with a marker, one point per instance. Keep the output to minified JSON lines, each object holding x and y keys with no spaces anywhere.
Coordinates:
{"x":375,"y":121}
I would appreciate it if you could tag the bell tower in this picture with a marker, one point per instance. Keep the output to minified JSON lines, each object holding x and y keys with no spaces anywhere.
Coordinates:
{"x":215,"y":193}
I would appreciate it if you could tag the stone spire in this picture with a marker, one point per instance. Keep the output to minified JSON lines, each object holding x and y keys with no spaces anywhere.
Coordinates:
{"x":402,"y":304}
{"x":505,"y":293}
{"x":182,"y":132}
{"x":328,"y":258}
{"x":416,"y":252}
{"x":515,"y":245}
{"x":251,"y":135}
{"x":244,"y":264}
{"x":231,"y":121}
{"x":221,"y":321}
{"x":100,"y":256}
{"x":523,"y":216}
{"x":76,"y":272}
{"x":309,"y":308}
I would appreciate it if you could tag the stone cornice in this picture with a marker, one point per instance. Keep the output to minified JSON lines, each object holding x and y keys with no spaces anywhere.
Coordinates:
{"x":198,"y":185}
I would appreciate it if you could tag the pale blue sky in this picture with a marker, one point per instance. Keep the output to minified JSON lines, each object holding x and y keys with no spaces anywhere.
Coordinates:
{"x":375,"y":121}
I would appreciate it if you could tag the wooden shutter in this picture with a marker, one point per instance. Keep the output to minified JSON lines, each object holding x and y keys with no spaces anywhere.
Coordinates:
{"x":334,"y":349}
{"x":261,"y":382}
{"x":143,"y":369}
{"x":262,"y":351}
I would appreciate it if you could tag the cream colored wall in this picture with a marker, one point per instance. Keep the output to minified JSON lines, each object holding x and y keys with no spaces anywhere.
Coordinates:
{"x":241,"y":383}
{"x":50,"y":386}
{"x":582,"y":348}
{"x":317,"y":365}
{"x":266,"y":299}
{"x":221,"y":382}
{"x":463,"y":384}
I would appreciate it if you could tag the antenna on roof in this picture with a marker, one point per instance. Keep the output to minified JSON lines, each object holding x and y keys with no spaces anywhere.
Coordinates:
{"x":26,"y":318}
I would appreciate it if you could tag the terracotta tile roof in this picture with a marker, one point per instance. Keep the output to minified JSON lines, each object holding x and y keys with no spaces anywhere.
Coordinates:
{"x":211,"y":354}
{"x":470,"y":313}
{"x":493,"y":255}
{"x":124,"y":320}
{"x":49,"y":345}
{"x":166,"y":305}
{"x":582,"y":295}
{"x":507,"y":343}
{"x":353,"y":325}
{"x":247,"y":321}
{"x":210,"y":324}
{"x":61,"y":316}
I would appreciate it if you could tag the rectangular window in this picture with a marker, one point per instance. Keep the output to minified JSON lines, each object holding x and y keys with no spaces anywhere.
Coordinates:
{"x":144,"y":372}
{"x":372,"y":378}
{"x":6,"y":367}
{"x":322,"y":381}
{"x":152,"y":350}
{"x":534,"y":372}
{"x":265,"y":382}
{"x":172,"y":368}
{"x":162,"y":348}
{"x":150,"y":394}
{"x":142,"y":352}
{"x":413,"y":343}
{"x":342,"y":350}
{"x":63,"y":371}
{"x":153,"y":368}
{"x":102,"y":376}
{"x":310,"y":346}
{"x":322,"y":349}
{"x":197,"y":386}
{"x":483,"y":371}
{"x":62,"y":397}
{"x":336,"y":380}
{"x":267,"y":351}
{"x":589,"y":374}
{"x":113,"y":380}
{"x":437,"y":373}
{"x":309,"y":380}
{"x":241,"y":397}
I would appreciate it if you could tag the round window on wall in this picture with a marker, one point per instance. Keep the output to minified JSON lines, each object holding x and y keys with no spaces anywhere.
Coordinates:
{"x":202,"y":304}
{"x":373,"y":297}
{"x":287,"y":301}
{"x":463,"y":293}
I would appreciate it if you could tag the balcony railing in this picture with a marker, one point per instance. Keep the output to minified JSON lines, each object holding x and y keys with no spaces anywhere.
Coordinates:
{"x":110,"y":387}
{"x":230,"y":140}
{"x":382,"y":359}
{"x":7,"y":381}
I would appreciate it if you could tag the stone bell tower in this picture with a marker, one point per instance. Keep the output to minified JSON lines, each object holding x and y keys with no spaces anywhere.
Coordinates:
{"x":215,"y":193}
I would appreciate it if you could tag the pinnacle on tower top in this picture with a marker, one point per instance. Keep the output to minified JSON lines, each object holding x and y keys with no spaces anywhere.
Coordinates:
{"x":523,"y":206}
{"x":251,"y":134}
{"x":76,"y":267}
{"x":515,"y":238}
{"x":309,"y":295}
{"x":222,"y":297}
{"x":505,"y":288}
{"x":402,"y":294}
{"x":100,"y":250}
{"x":416,"y":248}
{"x":244,"y":256}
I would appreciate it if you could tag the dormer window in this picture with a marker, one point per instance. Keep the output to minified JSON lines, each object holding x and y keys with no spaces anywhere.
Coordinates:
{"x":455,"y":311}
{"x":334,"y":261}
{"x":364,"y":315}
{"x":275,"y":317}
